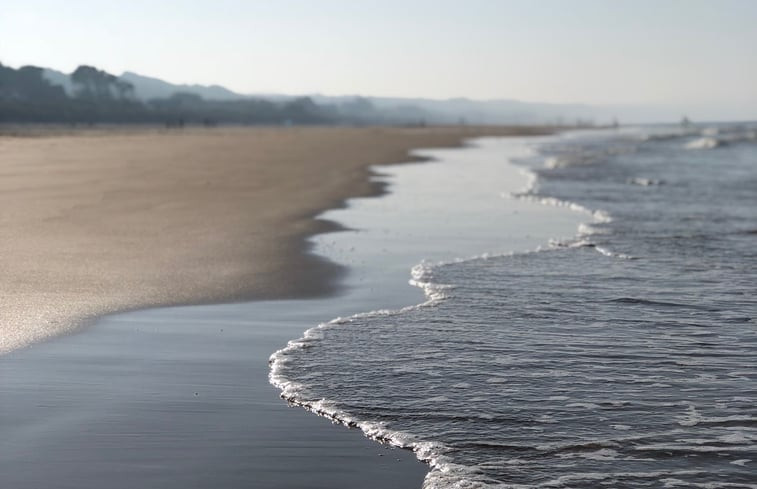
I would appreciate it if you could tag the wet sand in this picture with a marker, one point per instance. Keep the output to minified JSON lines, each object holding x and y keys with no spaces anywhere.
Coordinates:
{"x":178,"y":398}
{"x":96,"y":222}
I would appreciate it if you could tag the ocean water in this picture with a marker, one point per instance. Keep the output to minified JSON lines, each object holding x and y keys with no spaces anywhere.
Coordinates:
{"x":622,"y":356}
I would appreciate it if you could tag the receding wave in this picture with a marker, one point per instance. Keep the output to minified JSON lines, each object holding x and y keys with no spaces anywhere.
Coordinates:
{"x":704,"y":143}
{"x":715,"y":137}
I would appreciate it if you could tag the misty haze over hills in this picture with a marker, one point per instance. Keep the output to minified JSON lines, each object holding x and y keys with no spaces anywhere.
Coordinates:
{"x":449,"y":111}
{"x":146,"y":88}
{"x":407,"y":110}
{"x":31,"y":94}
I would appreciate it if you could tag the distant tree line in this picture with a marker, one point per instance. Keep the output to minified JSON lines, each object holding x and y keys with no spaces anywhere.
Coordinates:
{"x":99,"y":97}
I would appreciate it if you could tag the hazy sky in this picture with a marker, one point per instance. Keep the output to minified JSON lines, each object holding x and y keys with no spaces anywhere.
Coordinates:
{"x":594,"y":51}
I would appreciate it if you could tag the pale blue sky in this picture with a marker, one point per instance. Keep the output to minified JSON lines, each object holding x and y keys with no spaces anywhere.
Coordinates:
{"x":611,"y":51}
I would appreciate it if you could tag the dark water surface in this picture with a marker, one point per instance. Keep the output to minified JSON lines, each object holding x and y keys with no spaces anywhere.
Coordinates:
{"x":625,"y":357}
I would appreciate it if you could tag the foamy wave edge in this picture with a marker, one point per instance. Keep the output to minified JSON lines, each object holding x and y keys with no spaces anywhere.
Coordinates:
{"x":443,"y":471}
{"x":585,"y":229}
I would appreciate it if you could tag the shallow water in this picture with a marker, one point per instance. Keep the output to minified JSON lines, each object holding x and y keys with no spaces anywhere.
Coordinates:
{"x":625,"y":356}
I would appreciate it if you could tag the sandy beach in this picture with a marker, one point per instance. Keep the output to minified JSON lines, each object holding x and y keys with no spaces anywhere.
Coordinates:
{"x":101,"y":221}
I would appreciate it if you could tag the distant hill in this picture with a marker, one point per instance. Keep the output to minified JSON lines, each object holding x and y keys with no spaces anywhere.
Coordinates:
{"x":147,"y":88}
{"x":32,"y":94}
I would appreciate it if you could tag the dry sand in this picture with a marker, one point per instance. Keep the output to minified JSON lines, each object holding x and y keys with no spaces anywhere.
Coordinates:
{"x":104,"y":221}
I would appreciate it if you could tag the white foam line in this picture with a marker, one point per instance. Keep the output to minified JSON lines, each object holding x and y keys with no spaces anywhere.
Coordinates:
{"x":599,"y":216}
{"x":426,"y":451}
{"x":443,"y":472}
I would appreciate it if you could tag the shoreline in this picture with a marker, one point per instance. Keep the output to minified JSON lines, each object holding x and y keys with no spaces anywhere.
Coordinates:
{"x":124,"y":220}
{"x":180,"y":397}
